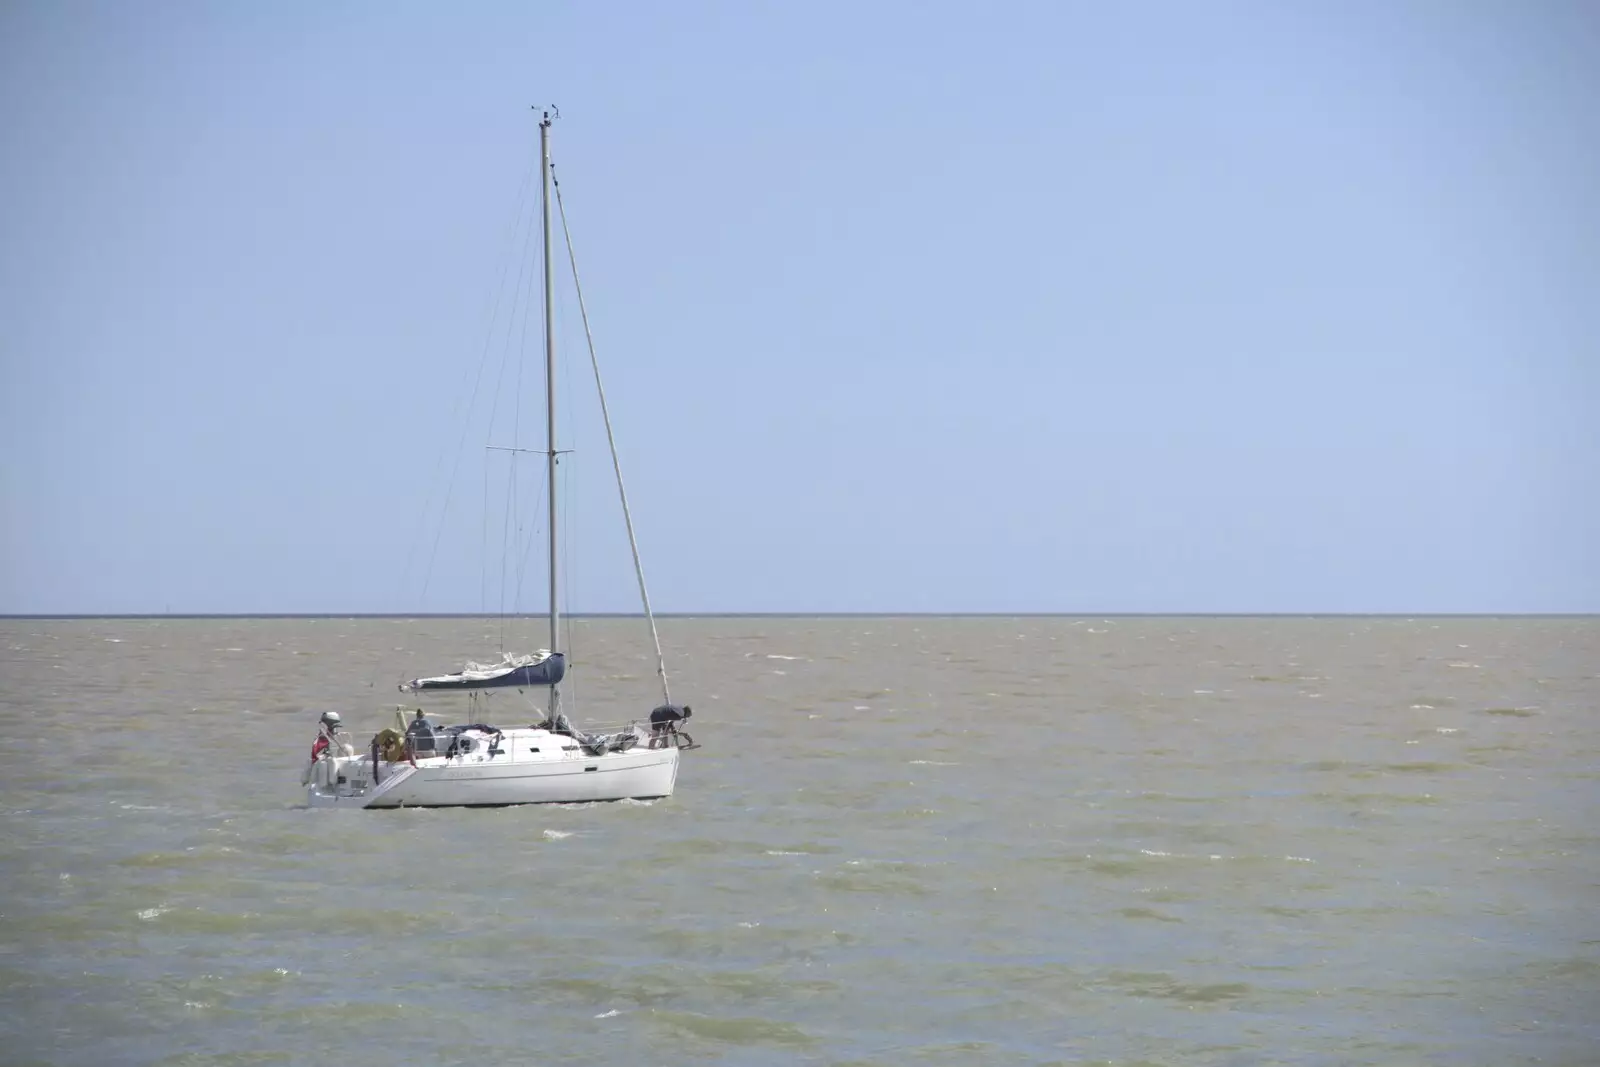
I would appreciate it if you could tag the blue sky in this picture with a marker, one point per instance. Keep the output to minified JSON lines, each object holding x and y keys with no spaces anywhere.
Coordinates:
{"x":903,"y":307}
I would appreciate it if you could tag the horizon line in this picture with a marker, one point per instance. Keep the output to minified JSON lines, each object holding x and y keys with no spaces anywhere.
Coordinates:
{"x":186,"y":615}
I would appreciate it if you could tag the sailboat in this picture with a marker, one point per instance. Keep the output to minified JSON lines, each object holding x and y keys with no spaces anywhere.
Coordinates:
{"x":423,"y":763}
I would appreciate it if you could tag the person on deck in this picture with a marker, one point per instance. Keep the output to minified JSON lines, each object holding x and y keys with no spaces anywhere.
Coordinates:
{"x":420,"y":735}
{"x":331,"y":742}
{"x":664,"y":721}
{"x":328,"y":727}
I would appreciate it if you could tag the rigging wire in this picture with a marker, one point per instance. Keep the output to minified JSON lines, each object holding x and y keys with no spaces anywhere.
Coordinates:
{"x":494,"y":408}
{"x":622,"y":493}
{"x":420,"y":531}
{"x":513,"y":522}
{"x":505,"y":533}
{"x":569,"y":487}
{"x":483,"y":550}
{"x":477,"y":383}
{"x":515,"y":517}
{"x":525,"y":551}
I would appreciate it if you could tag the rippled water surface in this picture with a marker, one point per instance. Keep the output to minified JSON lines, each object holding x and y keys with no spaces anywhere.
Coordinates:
{"x":905,"y":841}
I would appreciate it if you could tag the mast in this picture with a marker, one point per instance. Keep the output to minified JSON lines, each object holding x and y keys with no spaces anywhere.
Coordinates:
{"x":550,"y":395}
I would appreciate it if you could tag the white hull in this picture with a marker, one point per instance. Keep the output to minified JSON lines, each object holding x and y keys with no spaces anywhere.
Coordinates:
{"x":532,"y":767}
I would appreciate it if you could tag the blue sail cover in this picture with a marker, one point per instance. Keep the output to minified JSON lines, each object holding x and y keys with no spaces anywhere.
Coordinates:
{"x":521,"y":672}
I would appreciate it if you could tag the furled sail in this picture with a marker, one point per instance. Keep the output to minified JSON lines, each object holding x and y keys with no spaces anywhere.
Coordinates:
{"x":520,"y":671}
